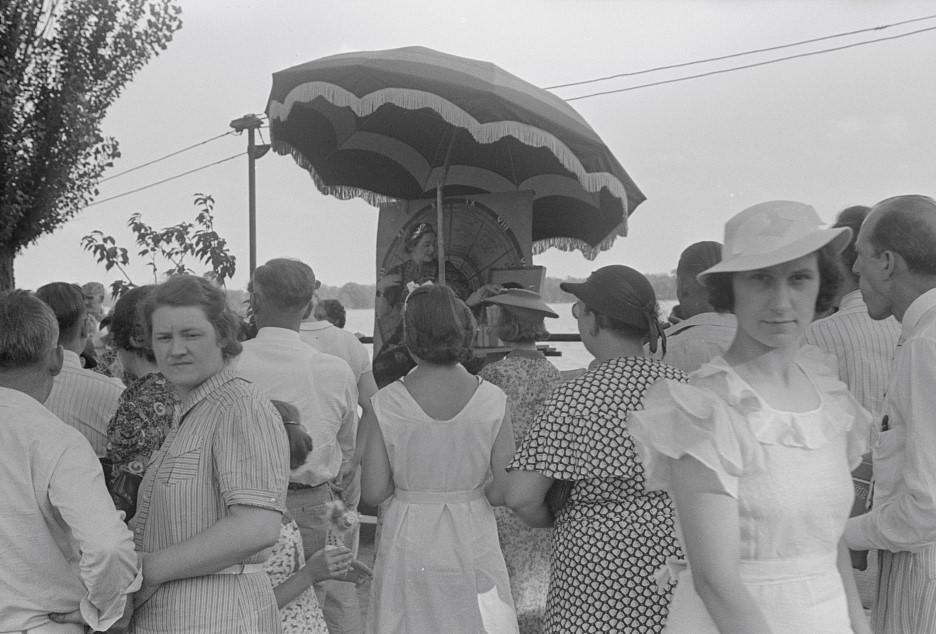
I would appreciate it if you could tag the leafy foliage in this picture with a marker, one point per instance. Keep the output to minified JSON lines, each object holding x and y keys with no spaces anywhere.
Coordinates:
{"x":63,"y":63}
{"x":171,"y":245}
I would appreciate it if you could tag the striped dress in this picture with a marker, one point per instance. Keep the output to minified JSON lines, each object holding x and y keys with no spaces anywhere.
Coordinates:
{"x":228,"y":448}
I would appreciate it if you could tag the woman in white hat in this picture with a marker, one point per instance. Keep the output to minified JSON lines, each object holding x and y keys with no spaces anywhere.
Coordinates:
{"x":756,"y":450}
{"x":527,"y":377}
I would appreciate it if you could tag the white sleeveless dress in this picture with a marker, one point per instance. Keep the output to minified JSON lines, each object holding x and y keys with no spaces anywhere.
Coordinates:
{"x":439,"y":567}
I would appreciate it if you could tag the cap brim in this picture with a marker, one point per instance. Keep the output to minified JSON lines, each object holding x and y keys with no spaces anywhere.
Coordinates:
{"x":522,"y":303}
{"x":838,"y":238}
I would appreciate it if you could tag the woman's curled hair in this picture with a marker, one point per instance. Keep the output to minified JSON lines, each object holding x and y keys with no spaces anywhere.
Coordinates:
{"x":437,"y":326}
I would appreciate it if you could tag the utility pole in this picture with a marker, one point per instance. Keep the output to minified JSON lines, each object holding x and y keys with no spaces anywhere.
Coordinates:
{"x":251,"y":123}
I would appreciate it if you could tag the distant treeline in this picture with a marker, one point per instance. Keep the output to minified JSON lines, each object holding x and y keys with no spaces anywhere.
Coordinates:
{"x":353,"y":295}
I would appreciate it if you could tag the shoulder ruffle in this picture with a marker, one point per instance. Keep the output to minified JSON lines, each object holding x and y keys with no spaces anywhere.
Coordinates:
{"x":845,"y":413}
{"x":839,"y":413}
{"x":679,"y":420}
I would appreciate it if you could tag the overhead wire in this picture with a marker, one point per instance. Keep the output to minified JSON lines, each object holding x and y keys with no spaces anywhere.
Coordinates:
{"x":165,"y":180}
{"x":590,"y":81}
{"x":167,"y":156}
{"x":751,"y":65}
{"x":740,"y":54}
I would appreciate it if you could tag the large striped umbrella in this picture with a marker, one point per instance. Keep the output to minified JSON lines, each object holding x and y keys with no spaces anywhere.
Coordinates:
{"x":404,"y":123}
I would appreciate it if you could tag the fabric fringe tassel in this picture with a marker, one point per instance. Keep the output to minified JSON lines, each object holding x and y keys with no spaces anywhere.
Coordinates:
{"x":451,"y":113}
{"x":343,"y":192}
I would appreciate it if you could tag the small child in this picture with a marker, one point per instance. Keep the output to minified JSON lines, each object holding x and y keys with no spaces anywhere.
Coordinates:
{"x":299,"y":609}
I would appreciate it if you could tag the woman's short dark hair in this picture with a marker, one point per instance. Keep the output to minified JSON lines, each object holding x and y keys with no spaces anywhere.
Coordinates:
{"x":622,"y":328}
{"x":416,"y":234}
{"x":513,"y":327}
{"x":437,"y":326}
{"x":189,"y":290}
{"x":721,"y":291}
{"x":331,"y":311}
{"x":127,"y":324}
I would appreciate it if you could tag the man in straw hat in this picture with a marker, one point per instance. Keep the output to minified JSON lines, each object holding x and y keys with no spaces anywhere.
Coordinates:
{"x":896,"y":265}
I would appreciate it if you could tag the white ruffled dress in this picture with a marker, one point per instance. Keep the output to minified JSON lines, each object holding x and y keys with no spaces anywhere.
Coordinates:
{"x":790,"y":473}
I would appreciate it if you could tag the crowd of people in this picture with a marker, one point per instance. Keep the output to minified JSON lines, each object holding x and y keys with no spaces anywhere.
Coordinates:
{"x":760,"y":461}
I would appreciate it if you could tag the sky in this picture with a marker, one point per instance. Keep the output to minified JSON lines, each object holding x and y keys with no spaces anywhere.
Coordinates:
{"x":832,"y":130}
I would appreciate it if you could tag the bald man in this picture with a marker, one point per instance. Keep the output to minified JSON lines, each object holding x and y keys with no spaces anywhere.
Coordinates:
{"x":896,"y":265}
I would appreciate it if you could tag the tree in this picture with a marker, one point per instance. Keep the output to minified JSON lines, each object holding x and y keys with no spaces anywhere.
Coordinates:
{"x":170,"y":245}
{"x":63,"y":63}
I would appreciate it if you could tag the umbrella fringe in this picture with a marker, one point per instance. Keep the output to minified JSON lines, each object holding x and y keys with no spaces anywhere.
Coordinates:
{"x":451,"y":113}
{"x":344,"y":192}
{"x":574,"y":244}
{"x":341,"y":192}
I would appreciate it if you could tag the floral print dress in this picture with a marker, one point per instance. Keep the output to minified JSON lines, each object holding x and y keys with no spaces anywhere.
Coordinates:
{"x":302,"y":615}
{"x":527,"y":378}
{"x":139,"y":426}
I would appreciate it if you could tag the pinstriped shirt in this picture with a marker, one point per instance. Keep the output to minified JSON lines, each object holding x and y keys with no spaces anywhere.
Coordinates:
{"x":863,"y":346}
{"x":85,"y":400}
{"x":228,"y":448}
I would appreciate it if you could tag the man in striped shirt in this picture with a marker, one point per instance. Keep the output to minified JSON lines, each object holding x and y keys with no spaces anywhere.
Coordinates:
{"x":84,"y":399}
{"x":702,"y":334}
{"x":864,"y":348}
{"x":896,"y":265}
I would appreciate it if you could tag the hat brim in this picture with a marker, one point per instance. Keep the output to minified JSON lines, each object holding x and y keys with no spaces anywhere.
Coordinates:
{"x":525,"y":303}
{"x":838,"y":238}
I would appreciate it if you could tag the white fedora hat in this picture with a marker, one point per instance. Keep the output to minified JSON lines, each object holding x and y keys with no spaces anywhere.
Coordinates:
{"x":771,"y":233}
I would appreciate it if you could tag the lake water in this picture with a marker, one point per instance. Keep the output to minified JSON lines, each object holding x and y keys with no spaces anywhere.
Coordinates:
{"x":574,"y":355}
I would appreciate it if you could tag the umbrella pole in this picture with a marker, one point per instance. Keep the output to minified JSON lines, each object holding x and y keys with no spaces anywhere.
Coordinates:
{"x":440,"y":236}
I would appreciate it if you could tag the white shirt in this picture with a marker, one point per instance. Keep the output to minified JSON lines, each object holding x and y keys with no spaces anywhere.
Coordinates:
{"x":903,"y":515}
{"x":699,"y":339}
{"x":328,"y":338}
{"x":85,"y":400}
{"x":863,"y":346}
{"x":64,"y":545}
{"x":319,"y":385}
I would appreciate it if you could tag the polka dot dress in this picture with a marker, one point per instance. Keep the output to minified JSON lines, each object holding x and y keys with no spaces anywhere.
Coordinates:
{"x":612,"y":535}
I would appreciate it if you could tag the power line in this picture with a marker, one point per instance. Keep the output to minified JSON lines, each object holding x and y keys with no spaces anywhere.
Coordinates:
{"x":752,"y":65}
{"x":163,"y":158}
{"x":741,"y":54}
{"x":165,"y":180}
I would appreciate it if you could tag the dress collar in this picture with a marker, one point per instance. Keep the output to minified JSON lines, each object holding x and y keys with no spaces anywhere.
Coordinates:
{"x":207,"y":386}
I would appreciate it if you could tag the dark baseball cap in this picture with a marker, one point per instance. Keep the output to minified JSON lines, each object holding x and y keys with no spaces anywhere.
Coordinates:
{"x":617,"y":291}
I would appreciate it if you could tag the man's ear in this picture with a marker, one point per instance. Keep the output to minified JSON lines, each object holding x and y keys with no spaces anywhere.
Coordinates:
{"x":891,"y":263}
{"x":55,"y":360}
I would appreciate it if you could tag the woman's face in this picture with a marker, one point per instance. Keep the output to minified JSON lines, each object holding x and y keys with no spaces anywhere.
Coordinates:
{"x":186,"y":346}
{"x":424,"y":251}
{"x":775,"y":304}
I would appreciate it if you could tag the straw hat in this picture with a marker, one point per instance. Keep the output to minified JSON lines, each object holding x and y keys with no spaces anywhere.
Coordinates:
{"x":521,"y":299}
{"x":771,"y":233}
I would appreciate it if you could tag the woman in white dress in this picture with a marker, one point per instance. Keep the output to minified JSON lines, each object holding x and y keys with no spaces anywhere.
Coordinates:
{"x":436,"y":446}
{"x":757,"y":448}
